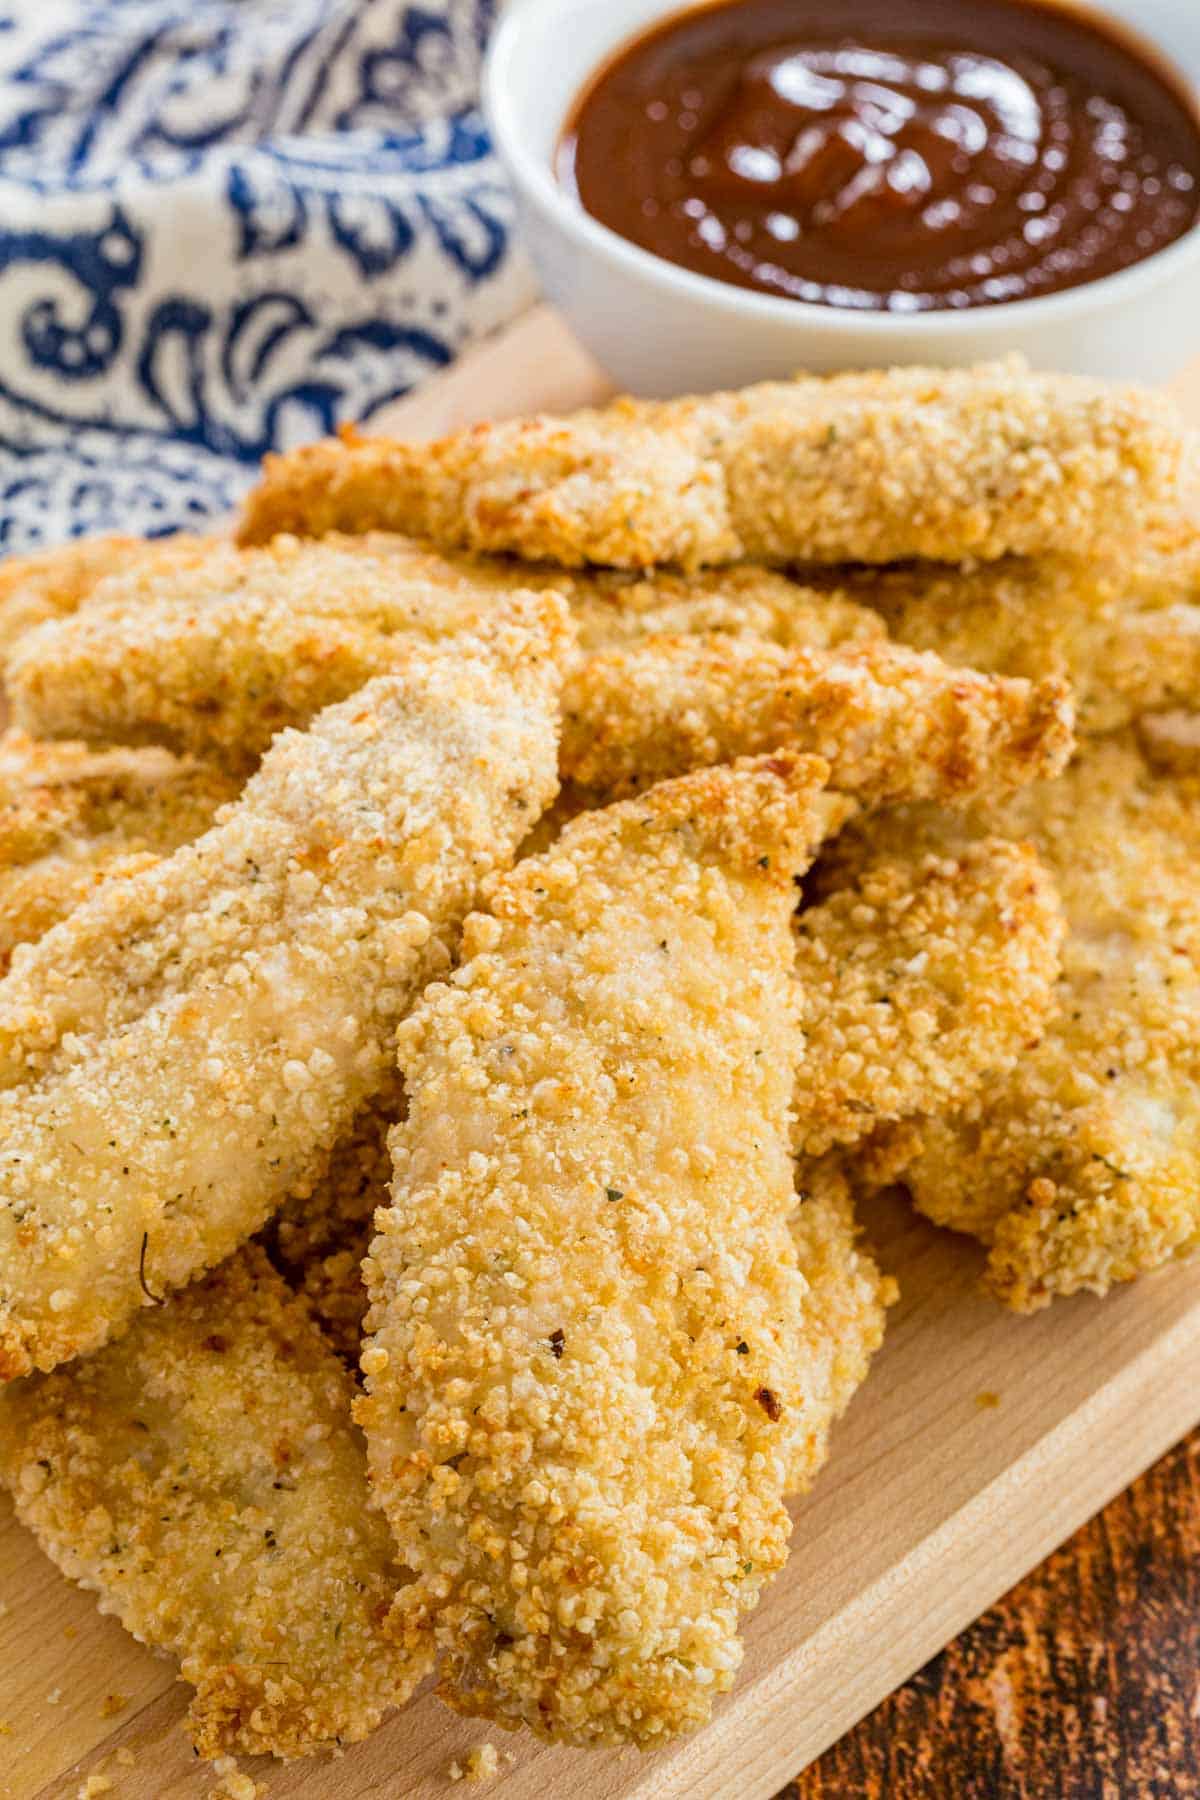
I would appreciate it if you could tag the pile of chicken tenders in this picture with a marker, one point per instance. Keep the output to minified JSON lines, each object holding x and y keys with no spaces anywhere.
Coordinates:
{"x":468,"y":943}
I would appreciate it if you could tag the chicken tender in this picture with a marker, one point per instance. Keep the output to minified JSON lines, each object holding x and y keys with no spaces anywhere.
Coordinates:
{"x":922,"y":977}
{"x":52,"y":583}
{"x":1078,"y":1168}
{"x":871,"y":467}
{"x":894,"y":724}
{"x":70,"y":817}
{"x":203,"y":1477}
{"x":218,"y":657}
{"x":186,"y":1048}
{"x":1126,"y":637}
{"x":588,"y":1371}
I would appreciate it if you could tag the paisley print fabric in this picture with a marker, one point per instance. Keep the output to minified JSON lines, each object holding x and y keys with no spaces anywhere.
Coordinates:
{"x":225,"y":227}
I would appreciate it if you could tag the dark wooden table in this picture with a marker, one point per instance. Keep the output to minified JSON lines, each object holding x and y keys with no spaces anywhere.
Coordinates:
{"x":1082,"y":1684}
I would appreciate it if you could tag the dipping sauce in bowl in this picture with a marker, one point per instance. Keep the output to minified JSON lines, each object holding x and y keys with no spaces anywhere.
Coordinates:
{"x":906,"y":156}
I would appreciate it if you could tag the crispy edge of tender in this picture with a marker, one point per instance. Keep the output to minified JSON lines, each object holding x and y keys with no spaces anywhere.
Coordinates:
{"x":49,"y":584}
{"x":126,"y":1491}
{"x":873,"y":466}
{"x":71,"y":817}
{"x":921,"y":978}
{"x":893,"y":723}
{"x":1124,"y":631}
{"x":846,"y":1305}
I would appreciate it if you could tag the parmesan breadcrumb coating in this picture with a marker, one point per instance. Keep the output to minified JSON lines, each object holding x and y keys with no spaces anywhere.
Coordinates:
{"x":586,"y":1393}
{"x":922,"y":977}
{"x":52,"y":583}
{"x":746,"y":599}
{"x":1125,"y":635}
{"x":70,"y":817}
{"x":186,"y":1048}
{"x":204,"y":1478}
{"x":874,"y":467}
{"x":217,"y":657}
{"x":894,"y":723}
{"x":1078,"y":1169}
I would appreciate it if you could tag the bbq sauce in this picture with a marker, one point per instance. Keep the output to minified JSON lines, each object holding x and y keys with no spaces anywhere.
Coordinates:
{"x":888,"y":155}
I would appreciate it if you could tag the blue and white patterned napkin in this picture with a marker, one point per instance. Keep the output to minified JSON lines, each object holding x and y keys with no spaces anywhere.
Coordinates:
{"x":225,"y":226}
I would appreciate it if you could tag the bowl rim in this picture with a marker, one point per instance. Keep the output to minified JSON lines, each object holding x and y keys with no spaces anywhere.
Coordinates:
{"x":534,"y":174}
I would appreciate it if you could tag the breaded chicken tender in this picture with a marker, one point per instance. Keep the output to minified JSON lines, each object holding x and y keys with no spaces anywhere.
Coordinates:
{"x":52,"y":583}
{"x":1125,"y":635}
{"x":218,"y":657}
{"x":872,"y":467}
{"x":70,"y":817}
{"x":920,"y":978}
{"x":590,"y":1372}
{"x":1078,"y":1168}
{"x":186,"y":1048}
{"x":893,"y":723}
{"x":203,"y":1477}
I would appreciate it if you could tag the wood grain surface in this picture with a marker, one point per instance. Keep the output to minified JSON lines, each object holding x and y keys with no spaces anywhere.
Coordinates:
{"x":980,"y":1442}
{"x":1082,"y":1684}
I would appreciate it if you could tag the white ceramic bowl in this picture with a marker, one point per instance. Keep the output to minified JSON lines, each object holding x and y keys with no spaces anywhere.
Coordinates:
{"x":660,"y":329}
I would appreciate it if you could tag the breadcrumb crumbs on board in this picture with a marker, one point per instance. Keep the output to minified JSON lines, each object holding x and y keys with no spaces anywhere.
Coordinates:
{"x":126,"y":1757}
{"x":481,"y":1763}
{"x":93,"y":1785}
{"x":233,"y":1784}
{"x":54,"y":1696}
{"x":113,"y":1704}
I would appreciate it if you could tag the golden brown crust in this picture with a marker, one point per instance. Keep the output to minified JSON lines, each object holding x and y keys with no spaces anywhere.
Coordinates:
{"x":202,"y":1476}
{"x":610,"y":607}
{"x":924,"y":975}
{"x":187,"y":1047}
{"x":51,"y":583}
{"x":893,"y":723}
{"x":1124,"y":633}
{"x":587,"y":1397}
{"x":217,"y":657}
{"x":1078,"y":1168}
{"x":71,"y":817}
{"x":860,"y":467}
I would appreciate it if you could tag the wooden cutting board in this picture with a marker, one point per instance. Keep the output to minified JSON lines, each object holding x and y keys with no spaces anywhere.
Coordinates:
{"x":979,"y":1443}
